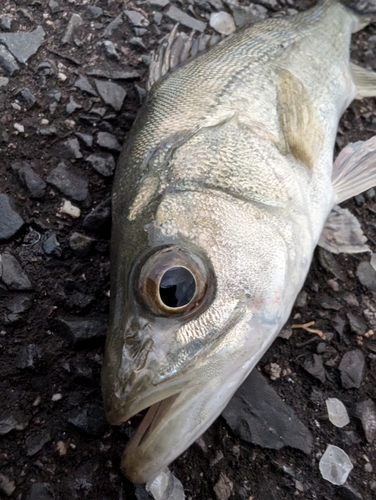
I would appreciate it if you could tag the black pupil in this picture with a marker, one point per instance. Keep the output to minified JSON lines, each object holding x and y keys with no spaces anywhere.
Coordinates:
{"x":177,"y":287}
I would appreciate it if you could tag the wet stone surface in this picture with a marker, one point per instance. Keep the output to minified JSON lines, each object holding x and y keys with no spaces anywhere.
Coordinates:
{"x":72,"y":74}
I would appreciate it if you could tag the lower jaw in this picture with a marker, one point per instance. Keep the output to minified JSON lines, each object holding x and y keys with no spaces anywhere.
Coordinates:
{"x":139,"y":464}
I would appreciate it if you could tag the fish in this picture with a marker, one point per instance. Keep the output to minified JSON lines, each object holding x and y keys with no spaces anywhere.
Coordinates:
{"x":224,"y":187}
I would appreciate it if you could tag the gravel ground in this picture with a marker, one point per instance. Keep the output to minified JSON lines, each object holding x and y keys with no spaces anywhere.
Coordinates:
{"x":72,"y":76}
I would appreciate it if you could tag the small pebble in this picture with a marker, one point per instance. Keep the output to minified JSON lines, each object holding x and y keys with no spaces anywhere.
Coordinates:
{"x":70,"y":209}
{"x":20,"y":128}
{"x":57,"y":397}
{"x":333,"y":285}
{"x":337,"y":412}
{"x":222,"y":22}
{"x":335,"y":465}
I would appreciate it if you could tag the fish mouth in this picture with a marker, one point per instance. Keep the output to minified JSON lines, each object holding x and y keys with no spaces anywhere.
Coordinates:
{"x":145,"y":454}
{"x":154,"y":415}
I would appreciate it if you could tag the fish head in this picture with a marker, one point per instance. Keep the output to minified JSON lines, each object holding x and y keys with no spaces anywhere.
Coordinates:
{"x":196,"y":300}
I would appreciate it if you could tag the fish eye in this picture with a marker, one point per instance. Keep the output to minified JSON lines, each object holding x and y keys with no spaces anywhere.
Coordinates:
{"x":174,"y":281}
{"x":177,"y":287}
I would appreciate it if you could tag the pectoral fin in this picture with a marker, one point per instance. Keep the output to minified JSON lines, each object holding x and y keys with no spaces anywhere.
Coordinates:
{"x":342,"y":233}
{"x":300,"y":125}
{"x":354,"y":170}
{"x":364,"y":80}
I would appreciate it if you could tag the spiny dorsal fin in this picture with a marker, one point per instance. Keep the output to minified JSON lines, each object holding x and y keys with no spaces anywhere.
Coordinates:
{"x":298,"y":118}
{"x":175,"y":49}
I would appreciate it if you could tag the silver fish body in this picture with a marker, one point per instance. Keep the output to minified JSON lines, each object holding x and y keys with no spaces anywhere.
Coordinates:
{"x":222,"y":191}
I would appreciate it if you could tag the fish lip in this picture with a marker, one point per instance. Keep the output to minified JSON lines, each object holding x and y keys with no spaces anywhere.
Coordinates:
{"x":154,"y":414}
{"x":130,"y":464}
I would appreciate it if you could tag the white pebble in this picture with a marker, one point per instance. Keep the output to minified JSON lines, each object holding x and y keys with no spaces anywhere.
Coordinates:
{"x":44,"y":121}
{"x":19,"y":127}
{"x":337,"y":412}
{"x":165,"y":487}
{"x":69,"y":209}
{"x":335,"y":465}
{"x":222,"y":22}
{"x":56,"y":397}
{"x":62,"y":77}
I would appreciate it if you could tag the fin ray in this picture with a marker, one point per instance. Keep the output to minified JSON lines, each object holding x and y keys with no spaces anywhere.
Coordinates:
{"x":365,"y":81}
{"x":342,"y":233}
{"x":354,"y":170}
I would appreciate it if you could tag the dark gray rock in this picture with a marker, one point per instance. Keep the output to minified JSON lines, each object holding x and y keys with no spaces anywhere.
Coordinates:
{"x":8,"y":62}
{"x":29,"y":357}
{"x":6,"y":22}
{"x":72,"y":106}
{"x":10,"y":221}
{"x":86,"y":139}
{"x":141,"y":493}
{"x":79,"y":300}
{"x":114,"y":74}
{"x":331,"y":304}
{"x":3,"y":81}
{"x":136,"y":19}
{"x":51,"y":246}
{"x":40,"y":491}
{"x":20,"y":303}
{"x":45,"y":68}
{"x":28,"y":98}
{"x":74,"y":23}
{"x":91,"y":419}
{"x":330,"y":264}
{"x":35,"y":442}
{"x":347,"y":492}
{"x":30,"y":179}
{"x":163,"y":3}
{"x":7,"y":486}
{"x":80,"y":244}
{"x":357,"y":325}
{"x":141,"y":93}
{"x":68,"y":182}
{"x":93,"y":12}
{"x":367,"y":275}
{"x":54,"y":6}
{"x":111,"y":94}
{"x":84,"y":85}
{"x":103,"y":163}
{"x":113,"y":25}
{"x":70,"y":150}
{"x":100,"y":216}
{"x":258,"y":415}
{"x":12,"y":273}
{"x":181,"y":17}
{"x":110,"y":50}
{"x":23,"y":44}
{"x":108,"y":141}
{"x":338,"y":324}
{"x":13,"y":420}
{"x":366,"y":412}
{"x":55,"y":95}
{"x":80,"y":331}
{"x":315,"y":367}
{"x":301,"y":299}
{"x":351,"y":368}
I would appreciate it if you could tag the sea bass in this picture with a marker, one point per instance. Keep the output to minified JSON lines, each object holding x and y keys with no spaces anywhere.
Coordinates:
{"x":224,"y":188}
